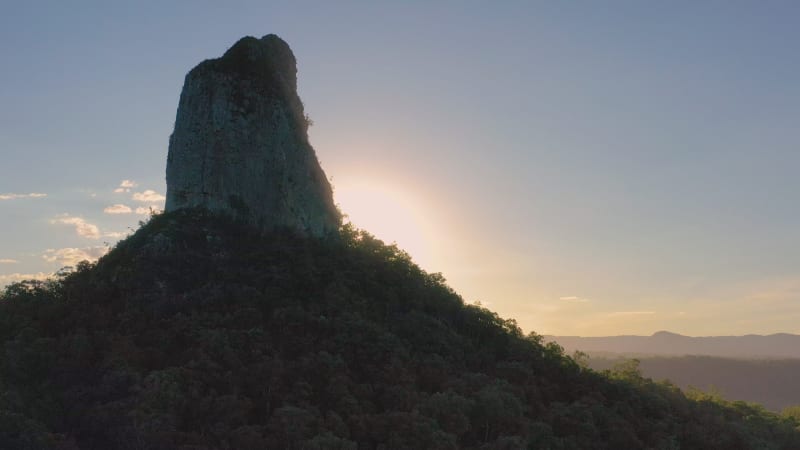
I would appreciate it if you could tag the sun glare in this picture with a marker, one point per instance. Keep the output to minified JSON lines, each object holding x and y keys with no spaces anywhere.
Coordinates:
{"x":391,"y":215}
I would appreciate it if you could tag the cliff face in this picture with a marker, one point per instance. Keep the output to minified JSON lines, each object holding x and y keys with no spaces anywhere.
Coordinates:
{"x":240,"y":145}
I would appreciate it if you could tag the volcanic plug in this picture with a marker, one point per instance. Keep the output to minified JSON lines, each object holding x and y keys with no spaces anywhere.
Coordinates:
{"x":240,"y":145}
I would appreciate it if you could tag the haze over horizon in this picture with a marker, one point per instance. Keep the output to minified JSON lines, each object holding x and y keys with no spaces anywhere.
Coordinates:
{"x":587,"y":170}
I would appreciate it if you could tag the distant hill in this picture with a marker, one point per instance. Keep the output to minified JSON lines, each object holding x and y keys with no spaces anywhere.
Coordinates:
{"x":780,"y":345}
{"x":197,"y":332}
{"x":774,"y":383}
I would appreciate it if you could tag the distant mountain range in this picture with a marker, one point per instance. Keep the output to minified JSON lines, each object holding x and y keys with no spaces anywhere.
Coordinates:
{"x":781,"y":345}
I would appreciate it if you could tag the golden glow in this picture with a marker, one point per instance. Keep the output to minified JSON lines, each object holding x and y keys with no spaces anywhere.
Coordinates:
{"x":390,"y":214}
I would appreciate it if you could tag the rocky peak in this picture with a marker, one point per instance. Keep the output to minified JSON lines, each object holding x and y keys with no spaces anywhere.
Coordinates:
{"x":240,"y":145}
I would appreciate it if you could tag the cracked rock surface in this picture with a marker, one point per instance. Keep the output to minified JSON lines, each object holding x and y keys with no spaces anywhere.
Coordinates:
{"x":240,"y":144}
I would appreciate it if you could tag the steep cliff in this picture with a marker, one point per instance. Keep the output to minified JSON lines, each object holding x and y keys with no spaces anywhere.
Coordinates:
{"x":240,"y":145}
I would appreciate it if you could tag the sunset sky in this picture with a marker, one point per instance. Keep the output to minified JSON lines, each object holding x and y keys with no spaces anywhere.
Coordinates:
{"x":588,"y":168}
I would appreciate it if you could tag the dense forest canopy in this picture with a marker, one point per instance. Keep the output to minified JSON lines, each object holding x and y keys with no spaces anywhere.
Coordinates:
{"x":768,"y":382}
{"x":199,"y":333}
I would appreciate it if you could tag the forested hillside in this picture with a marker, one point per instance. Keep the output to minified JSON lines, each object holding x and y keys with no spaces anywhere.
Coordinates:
{"x":775,"y":384}
{"x":198,"y":333}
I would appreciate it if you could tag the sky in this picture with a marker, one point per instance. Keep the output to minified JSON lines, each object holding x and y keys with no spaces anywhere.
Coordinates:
{"x":587,"y":168}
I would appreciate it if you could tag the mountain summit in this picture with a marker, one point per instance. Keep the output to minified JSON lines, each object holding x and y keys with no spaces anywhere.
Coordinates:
{"x":240,"y":145}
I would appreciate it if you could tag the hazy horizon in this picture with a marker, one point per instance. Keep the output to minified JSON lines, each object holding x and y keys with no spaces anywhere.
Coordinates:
{"x":589,"y":170}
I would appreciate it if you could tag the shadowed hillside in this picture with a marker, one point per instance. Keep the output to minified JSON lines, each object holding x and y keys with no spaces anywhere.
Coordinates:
{"x":772,"y":383}
{"x":198,"y":333}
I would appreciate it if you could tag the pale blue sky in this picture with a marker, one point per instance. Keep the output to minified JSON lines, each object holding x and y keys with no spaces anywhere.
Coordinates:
{"x":586,"y":167}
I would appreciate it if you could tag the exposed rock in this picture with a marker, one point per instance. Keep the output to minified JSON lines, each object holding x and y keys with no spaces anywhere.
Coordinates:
{"x":240,"y":145}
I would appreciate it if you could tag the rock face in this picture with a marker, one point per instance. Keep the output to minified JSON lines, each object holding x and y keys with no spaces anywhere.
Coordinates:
{"x":240,"y":145}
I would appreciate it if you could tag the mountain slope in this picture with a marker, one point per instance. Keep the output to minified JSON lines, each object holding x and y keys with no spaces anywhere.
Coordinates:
{"x":198,"y":333}
{"x":773,"y":383}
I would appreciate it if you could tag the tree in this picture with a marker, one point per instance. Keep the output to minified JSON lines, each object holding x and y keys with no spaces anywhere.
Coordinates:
{"x":792,"y":413}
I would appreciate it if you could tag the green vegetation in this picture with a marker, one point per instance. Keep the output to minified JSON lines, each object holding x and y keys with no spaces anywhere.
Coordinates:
{"x":792,"y":412}
{"x":768,"y":382}
{"x":197,"y":333}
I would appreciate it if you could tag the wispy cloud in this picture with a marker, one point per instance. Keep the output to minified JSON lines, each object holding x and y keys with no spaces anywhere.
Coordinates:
{"x":151,"y":209}
{"x":774,"y":292}
{"x":631,"y":313}
{"x":148,"y":196}
{"x":82,"y":227}
{"x":573,"y":299}
{"x":72,"y":256}
{"x":18,"y":196}
{"x":118,"y":209}
{"x":15,"y":277}
{"x":125,"y":186}
{"x":8,"y":261}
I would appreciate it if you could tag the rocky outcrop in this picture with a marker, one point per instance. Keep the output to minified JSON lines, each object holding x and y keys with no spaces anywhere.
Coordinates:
{"x":240,"y":145}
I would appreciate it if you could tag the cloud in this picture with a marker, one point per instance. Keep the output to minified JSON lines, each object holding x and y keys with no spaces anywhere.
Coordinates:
{"x":148,"y":196}
{"x":17,"y":196}
{"x":143,"y":210}
{"x":574,"y":299}
{"x":82,"y":227}
{"x":118,"y":209}
{"x":15,"y":277}
{"x":72,"y":256}
{"x":631,"y":313}
{"x":8,"y":261}
{"x":775,"y":292}
{"x":125,"y":186}
{"x":115,"y":234}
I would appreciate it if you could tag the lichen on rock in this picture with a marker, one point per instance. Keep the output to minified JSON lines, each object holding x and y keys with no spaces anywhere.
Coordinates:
{"x":240,"y":146}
